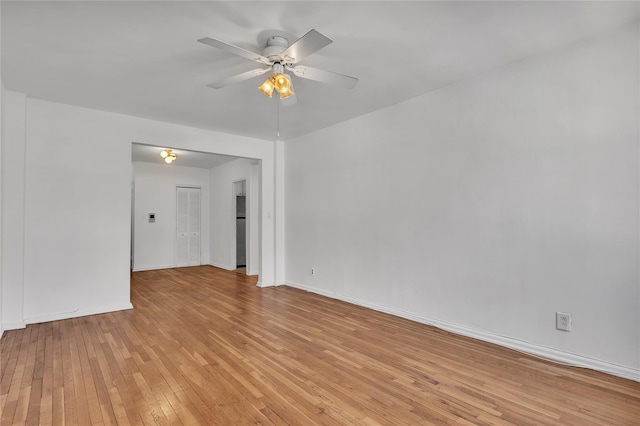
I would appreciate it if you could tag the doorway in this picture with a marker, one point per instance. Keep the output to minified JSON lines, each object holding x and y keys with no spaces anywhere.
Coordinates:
{"x":154,"y":240}
{"x":240,"y":202}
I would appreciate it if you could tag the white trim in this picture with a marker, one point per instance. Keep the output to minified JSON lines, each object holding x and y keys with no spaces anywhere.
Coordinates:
{"x":530,"y":348}
{"x":221,"y":266}
{"x":77,"y":313}
{"x":153,"y":268}
{"x":13,"y":326}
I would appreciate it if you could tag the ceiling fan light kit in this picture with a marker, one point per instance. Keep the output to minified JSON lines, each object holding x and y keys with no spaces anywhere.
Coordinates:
{"x":267,"y":87}
{"x":283,"y":86}
{"x":280,"y":82}
{"x":277,"y":56}
{"x":168,"y":156}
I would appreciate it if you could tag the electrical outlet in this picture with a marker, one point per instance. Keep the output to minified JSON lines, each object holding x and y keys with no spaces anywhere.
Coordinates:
{"x":313,"y":271}
{"x":563,"y":321}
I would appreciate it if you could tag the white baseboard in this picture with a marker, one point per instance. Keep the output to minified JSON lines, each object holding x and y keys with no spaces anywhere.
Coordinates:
{"x":221,"y":266}
{"x":153,"y":268}
{"x":509,"y":342}
{"x":13,"y":326}
{"x":77,"y":313}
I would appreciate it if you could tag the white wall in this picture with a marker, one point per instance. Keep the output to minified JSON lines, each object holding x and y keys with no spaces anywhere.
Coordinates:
{"x":77,"y":204}
{"x":1,"y":189}
{"x":13,"y":210}
{"x":1,"y":178}
{"x":486,"y":206}
{"x":222,"y":238}
{"x":155,"y":192}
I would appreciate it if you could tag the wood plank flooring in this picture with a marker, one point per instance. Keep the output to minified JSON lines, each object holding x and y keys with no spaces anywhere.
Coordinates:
{"x":205,"y":346}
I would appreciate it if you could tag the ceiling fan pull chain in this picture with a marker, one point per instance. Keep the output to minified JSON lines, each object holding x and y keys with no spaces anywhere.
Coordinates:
{"x":278,"y":129}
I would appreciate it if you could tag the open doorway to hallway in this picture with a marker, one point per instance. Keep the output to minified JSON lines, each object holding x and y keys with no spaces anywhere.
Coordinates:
{"x":155,"y":233}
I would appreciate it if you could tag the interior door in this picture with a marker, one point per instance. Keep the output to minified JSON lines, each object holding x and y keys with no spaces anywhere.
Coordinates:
{"x":188,"y":226}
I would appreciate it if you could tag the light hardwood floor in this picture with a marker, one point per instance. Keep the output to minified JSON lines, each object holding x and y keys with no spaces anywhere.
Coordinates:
{"x":205,"y":346}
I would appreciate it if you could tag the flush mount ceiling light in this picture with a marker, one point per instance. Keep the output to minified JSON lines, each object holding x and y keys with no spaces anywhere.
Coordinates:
{"x":278,"y":81}
{"x":168,"y":156}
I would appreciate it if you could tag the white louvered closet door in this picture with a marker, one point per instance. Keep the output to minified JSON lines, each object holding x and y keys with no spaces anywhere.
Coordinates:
{"x":188,"y":227}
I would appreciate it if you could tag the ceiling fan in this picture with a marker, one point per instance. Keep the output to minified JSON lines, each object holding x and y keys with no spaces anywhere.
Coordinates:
{"x":279,"y":56}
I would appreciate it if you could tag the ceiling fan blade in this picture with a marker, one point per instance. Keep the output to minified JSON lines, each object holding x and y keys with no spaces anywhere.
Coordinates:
{"x":324,"y":76}
{"x":238,"y":77}
{"x":306,"y":45}
{"x":235,"y":50}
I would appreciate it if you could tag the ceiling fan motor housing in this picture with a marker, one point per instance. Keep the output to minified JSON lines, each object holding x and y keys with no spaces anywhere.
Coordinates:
{"x":275,"y":46}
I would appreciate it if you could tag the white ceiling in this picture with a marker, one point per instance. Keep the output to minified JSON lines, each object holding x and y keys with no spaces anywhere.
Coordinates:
{"x":203,"y":160}
{"x":142,"y":58}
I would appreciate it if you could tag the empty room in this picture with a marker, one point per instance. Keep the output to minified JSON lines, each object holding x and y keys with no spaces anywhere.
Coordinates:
{"x":320,"y":212}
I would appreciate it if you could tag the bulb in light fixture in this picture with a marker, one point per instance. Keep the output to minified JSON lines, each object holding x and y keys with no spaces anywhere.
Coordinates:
{"x":267,"y":87}
{"x":282,"y":83}
{"x":168,"y":155}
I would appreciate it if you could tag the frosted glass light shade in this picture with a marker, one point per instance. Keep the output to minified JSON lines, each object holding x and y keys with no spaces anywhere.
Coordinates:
{"x":168,"y":155}
{"x":282,"y":83}
{"x":267,"y":87}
